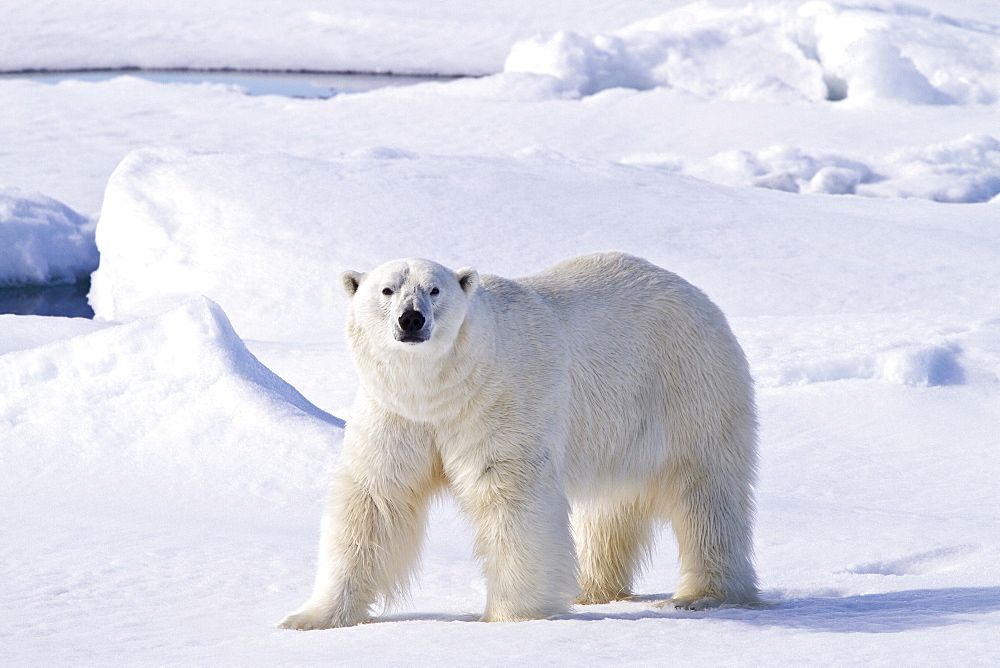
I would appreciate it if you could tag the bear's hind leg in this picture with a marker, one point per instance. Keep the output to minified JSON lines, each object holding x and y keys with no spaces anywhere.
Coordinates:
{"x":712,"y":522}
{"x":612,"y":541}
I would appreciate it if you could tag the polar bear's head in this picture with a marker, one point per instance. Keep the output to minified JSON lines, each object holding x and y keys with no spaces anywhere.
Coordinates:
{"x":409,"y":304}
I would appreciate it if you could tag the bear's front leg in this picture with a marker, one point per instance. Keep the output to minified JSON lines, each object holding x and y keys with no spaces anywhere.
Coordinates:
{"x":370,"y":539}
{"x":522,"y":533}
{"x":353,"y":571}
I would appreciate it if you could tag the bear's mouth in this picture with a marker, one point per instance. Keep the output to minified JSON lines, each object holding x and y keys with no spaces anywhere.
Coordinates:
{"x":410,"y":338}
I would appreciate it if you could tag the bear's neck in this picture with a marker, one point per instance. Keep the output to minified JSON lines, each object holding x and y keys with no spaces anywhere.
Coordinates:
{"x":426,"y":388}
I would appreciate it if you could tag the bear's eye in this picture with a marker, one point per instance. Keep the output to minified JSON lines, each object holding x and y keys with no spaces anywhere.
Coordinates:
{"x":387,"y":291}
{"x":434,"y":291}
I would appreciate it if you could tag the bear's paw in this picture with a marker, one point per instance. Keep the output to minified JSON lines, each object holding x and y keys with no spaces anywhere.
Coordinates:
{"x":314,"y":619}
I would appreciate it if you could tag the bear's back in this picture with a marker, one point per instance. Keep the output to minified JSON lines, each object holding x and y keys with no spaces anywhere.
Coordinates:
{"x":642,"y":342}
{"x":617,"y":295}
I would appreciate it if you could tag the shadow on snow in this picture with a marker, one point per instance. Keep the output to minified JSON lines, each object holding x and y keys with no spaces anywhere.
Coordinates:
{"x":890,"y":612}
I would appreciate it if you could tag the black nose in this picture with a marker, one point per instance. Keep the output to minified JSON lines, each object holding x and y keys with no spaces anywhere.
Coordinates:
{"x":411,"y":321}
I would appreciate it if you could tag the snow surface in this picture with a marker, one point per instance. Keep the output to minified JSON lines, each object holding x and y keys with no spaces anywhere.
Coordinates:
{"x":724,"y":90}
{"x":162,"y":467}
{"x":442,"y":37}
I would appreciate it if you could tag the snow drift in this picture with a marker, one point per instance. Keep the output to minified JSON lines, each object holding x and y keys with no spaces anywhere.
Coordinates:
{"x":173,"y":407}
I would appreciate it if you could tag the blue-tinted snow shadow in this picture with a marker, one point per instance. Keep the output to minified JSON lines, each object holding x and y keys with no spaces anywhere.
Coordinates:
{"x":891,"y":612}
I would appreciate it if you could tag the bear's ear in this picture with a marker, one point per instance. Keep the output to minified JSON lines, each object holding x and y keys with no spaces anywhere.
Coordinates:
{"x":468,"y":279}
{"x":350,"y":280}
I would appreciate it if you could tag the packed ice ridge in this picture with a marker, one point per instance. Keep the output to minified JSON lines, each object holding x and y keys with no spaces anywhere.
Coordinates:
{"x":810,"y":51}
{"x":964,"y":170}
{"x":43,"y":241}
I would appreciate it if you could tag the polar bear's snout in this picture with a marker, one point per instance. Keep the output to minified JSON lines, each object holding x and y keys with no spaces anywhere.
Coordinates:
{"x":411,"y":327}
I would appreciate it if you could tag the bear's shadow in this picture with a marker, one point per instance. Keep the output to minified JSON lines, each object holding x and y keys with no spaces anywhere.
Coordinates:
{"x":891,"y":612}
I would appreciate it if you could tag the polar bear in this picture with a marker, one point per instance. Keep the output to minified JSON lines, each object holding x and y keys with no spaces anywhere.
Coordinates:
{"x":569,"y":412}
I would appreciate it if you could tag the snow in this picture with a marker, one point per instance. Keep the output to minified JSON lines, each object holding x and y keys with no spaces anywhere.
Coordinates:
{"x":828,"y":172}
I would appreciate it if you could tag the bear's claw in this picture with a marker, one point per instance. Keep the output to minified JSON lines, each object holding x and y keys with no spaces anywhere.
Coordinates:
{"x":693,"y":604}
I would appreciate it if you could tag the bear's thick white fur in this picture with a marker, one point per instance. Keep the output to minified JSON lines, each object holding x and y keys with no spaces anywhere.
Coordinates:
{"x":577,"y":407}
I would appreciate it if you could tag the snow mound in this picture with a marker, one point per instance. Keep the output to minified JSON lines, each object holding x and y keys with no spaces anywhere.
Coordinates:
{"x":172,"y":407}
{"x":787,"y":169}
{"x":813,"y":51}
{"x":266,"y":235}
{"x":966,"y":170}
{"x":927,"y":366}
{"x":961,"y":171}
{"x":43,"y":241}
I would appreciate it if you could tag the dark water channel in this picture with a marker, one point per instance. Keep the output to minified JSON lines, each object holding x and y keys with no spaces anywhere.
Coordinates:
{"x":67,"y":301}
{"x":71,"y":300}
